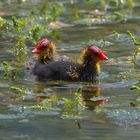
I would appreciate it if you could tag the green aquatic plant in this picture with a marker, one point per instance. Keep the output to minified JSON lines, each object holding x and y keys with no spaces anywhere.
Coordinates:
{"x":125,"y":75}
{"x":102,"y":5}
{"x":19,"y":24}
{"x":134,"y":59}
{"x":25,"y":28}
{"x":55,"y":11}
{"x":46,"y":104}
{"x":2,"y":21}
{"x":50,"y":12}
{"x":9,"y":72}
{"x":19,"y":90}
{"x":35,"y":32}
{"x":72,"y":107}
{"x":135,"y":88}
{"x":136,"y":102}
{"x":74,"y":11}
{"x":120,"y":4}
{"x":117,"y":35}
{"x":136,"y":42}
{"x":121,"y":10}
{"x":6,"y":65}
{"x":39,"y":107}
{"x":78,"y":123}
{"x":120,"y":16}
{"x":55,"y":34}
{"x":113,"y":3}
{"x":4,"y":25}
{"x":130,"y":4}
{"x":116,"y":11}
{"x":132,"y":36}
{"x":43,"y":10}
{"x":20,"y":50}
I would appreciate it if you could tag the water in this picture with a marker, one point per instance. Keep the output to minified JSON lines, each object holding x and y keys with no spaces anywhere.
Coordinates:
{"x":107,"y":110}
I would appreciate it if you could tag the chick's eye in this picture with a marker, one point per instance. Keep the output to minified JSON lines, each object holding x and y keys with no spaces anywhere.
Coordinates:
{"x":95,"y":53}
{"x":43,"y":46}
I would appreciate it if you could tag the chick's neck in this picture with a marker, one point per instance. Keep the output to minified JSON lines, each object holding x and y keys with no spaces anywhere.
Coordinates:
{"x":45,"y":57}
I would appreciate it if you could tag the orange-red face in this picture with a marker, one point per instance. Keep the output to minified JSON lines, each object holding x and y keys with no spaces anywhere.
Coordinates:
{"x":97,"y":53}
{"x":41,"y":46}
{"x":44,"y":49}
{"x":94,"y":54}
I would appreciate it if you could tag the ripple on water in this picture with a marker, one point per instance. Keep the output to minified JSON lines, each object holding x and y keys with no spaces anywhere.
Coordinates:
{"x":92,"y":21}
{"x":4,"y":85}
{"x":120,"y":39}
{"x":26,"y":111}
{"x":124,"y":117}
{"x":118,"y":84}
{"x":10,"y":116}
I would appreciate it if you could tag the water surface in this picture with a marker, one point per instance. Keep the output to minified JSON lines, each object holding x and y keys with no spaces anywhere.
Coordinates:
{"x":106,"y":112}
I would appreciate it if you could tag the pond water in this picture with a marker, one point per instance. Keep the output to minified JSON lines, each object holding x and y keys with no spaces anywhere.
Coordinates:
{"x":108,"y":110}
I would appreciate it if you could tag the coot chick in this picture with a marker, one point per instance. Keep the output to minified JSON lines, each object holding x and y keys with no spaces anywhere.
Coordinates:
{"x":44,"y":51}
{"x":87,"y":71}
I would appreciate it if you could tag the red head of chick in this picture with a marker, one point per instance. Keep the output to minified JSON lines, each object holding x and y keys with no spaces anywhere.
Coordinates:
{"x":44,"y":50}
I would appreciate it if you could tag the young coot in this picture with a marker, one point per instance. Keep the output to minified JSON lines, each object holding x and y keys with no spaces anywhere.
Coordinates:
{"x":44,"y":51}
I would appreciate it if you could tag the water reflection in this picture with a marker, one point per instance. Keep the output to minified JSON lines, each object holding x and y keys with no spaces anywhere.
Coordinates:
{"x":90,"y":95}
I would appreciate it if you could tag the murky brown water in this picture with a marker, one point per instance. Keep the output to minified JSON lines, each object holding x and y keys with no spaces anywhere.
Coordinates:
{"x":106,"y":112}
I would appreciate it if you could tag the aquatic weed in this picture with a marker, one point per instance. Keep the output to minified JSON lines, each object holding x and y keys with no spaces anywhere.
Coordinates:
{"x":18,"y":90}
{"x":73,"y":107}
{"x":136,"y":102}
{"x":50,"y":12}
{"x":135,"y":88}
{"x":4,"y":25}
{"x":6,"y":66}
{"x":20,"y":50}
{"x":136,"y":42}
